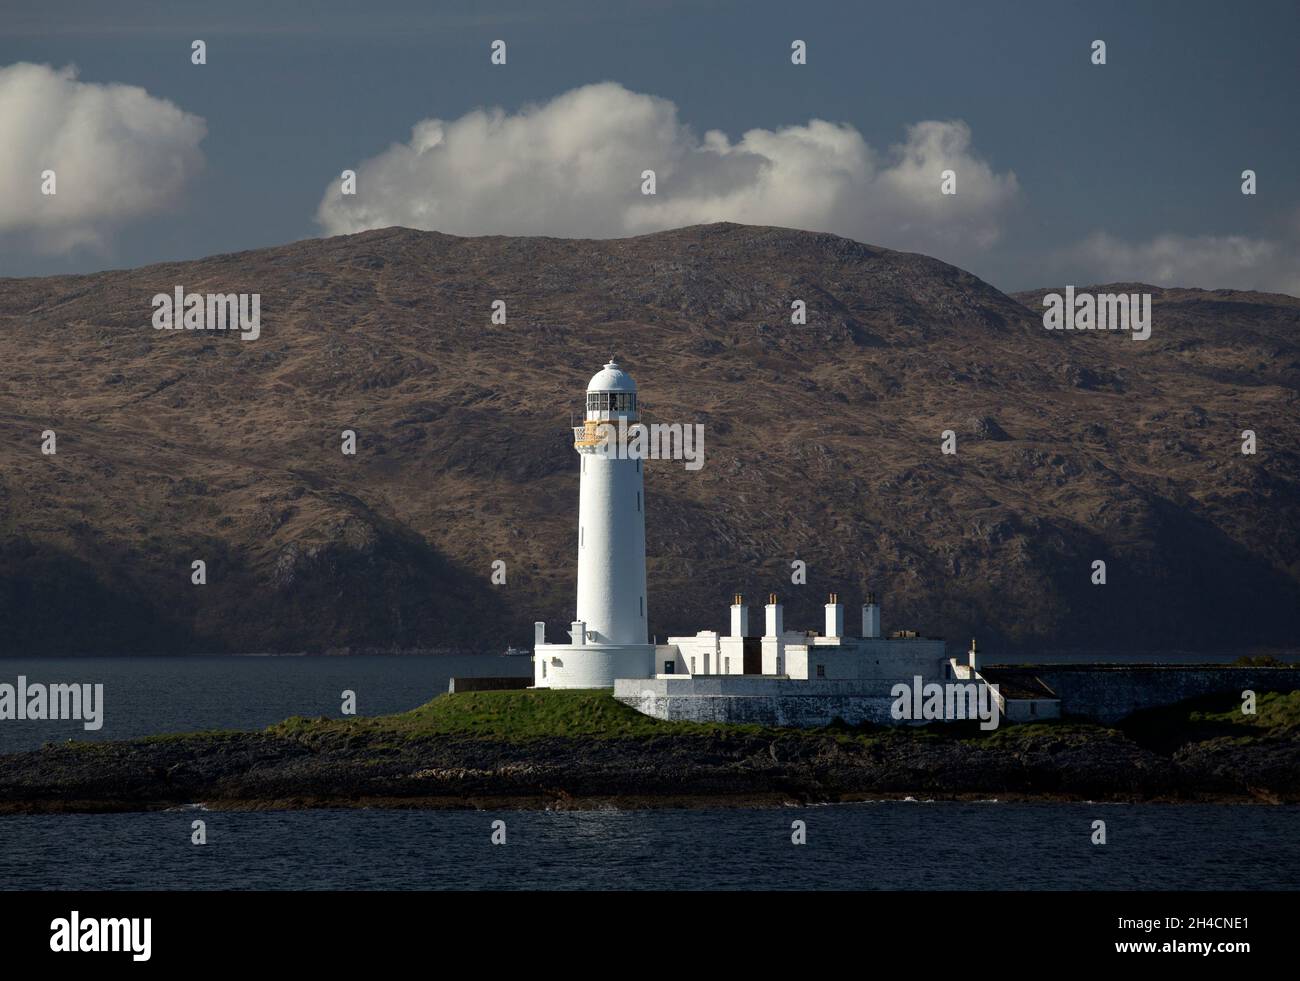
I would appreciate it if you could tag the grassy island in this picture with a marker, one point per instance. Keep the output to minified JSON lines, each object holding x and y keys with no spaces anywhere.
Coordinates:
{"x":505,"y":749}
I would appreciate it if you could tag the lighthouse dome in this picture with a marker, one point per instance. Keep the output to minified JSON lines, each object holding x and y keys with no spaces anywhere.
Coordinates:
{"x":611,"y":378}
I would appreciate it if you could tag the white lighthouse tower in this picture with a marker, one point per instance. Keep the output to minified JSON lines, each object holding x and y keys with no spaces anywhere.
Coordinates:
{"x":608,"y":637}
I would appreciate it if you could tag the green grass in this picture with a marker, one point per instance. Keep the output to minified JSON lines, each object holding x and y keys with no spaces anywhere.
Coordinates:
{"x":1025,"y":734}
{"x":513,"y":716}
{"x":527,"y":715}
{"x":1277,"y":716}
{"x":212,"y":737}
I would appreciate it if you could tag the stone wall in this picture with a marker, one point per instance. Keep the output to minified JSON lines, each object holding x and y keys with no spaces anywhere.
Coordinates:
{"x":1105,"y":693}
{"x":760,"y":701}
{"x":1099,"y":693}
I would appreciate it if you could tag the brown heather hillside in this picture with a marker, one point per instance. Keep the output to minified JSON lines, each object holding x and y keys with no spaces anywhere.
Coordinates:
{"x":822,"y":444}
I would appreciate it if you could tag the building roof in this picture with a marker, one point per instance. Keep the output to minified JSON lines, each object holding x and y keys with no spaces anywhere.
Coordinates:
{"x":1018,"y":685}
{"x":611,"y":378}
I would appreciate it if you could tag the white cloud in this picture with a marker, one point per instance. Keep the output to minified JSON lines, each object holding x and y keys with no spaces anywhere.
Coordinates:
{"x":572,"y":167}
{"x":118,"y":154}
{"x":1208,"y":261}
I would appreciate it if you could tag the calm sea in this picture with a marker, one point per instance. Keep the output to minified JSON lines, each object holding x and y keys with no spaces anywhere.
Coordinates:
{"x":146,"y":696}
{"x":895,"y":845}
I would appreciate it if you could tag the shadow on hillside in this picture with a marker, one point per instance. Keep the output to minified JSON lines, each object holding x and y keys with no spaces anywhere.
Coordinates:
{"x":393,"y":591}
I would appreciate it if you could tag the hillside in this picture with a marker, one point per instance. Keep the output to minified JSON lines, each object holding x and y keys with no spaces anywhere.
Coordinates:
{"x":822,"y":444}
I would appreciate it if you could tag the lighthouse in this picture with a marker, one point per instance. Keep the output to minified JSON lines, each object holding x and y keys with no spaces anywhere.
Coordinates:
{"x":780,"y":677}
{"x":608,"y":635}
{"x":611,"y":515}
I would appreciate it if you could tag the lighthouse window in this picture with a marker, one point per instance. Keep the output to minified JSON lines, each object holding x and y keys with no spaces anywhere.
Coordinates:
{"x":582,"y":537}
{"x":611,"y":401}
{"x":640,"y":606}
{"x":638,"y":500}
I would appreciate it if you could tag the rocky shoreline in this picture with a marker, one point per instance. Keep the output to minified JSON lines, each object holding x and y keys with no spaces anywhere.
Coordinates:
{"x":341,"y":768}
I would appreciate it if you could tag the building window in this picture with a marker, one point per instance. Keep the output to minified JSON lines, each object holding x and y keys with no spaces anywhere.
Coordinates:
{"x":668,"y":667}
{"x":582,"y":537}
{"x":640,"y":606}
{"x":638,"y":501}
{"x":821,"y":671}
{"x":726,"y":665}
{"x":692,"y":665}
{"x":543,"y":669}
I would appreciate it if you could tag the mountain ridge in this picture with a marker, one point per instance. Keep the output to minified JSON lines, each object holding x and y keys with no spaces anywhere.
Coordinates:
{"x":822,"y":444}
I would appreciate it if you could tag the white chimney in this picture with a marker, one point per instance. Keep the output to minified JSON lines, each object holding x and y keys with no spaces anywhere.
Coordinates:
{"x":834,"y":617}
{"x":971,"y":657}
{"x":870,"y":617}
{"x":539,"y":633}
{"x":774,"y":618}
{"x":739,"y":617}
{"x":579,"y":632}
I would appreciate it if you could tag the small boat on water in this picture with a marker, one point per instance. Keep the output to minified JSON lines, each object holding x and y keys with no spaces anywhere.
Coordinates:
{"x":517,"y":652}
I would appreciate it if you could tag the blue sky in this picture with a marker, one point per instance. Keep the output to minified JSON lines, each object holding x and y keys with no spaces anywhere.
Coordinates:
{"x":1128,"y":170}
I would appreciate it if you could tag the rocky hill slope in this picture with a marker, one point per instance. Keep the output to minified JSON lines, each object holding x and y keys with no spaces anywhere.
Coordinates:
{"x":822,"y":444}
